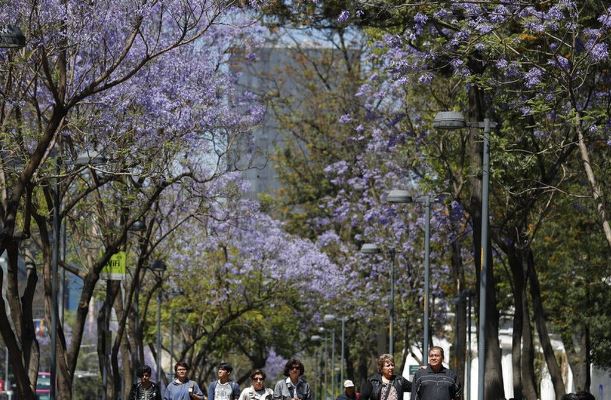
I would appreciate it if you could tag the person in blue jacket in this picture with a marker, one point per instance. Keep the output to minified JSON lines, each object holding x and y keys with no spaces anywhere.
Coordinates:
{"x":182,"y":388}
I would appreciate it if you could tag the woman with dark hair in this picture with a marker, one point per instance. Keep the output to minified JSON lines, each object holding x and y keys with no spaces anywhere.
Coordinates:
{"x":385,"y":385}
{"x":257,"y":390}
{"x":145,"y":389}
{"x":294,"y":386}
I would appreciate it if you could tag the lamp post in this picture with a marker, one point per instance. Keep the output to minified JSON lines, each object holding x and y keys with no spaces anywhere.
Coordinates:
{"x":324,"y":362}
{"x":372,"y":248}
{"x":456,"y":120}
{"x":159,"y":267}
{"x":343,"y":341}
{"x":328,"y":318}
{"x":318,"y":355}
{"x":403,"y":197}
{"x":82,"y":160}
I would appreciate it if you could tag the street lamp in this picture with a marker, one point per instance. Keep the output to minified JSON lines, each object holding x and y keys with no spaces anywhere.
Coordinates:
{"x":11,"y":37}
{"x":372,"y":248}
{"x":402,"y":197}
{"x":456,"y":120}
{"x":159,"y":267}
{"x":317,"y":363}
{"x":343,"y":341}
{"x":82,"y":160}
{"x":328,"y":318}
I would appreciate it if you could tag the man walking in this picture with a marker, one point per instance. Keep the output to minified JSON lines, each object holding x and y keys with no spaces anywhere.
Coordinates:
{"x":224,"y":388}
{"x":435,"y":382}
{"x":349,"y":391}
{"x":182,"y":388}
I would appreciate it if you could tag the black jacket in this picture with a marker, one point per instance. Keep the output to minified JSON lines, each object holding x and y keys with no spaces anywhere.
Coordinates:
{"x":373,"y":387}
{"x":137,"y":392}
{"x":442,"y":385}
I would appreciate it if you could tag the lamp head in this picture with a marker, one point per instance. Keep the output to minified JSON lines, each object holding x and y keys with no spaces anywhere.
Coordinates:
{"x":399,"y":196}
{"x":88,"y":157}
{"x":370,"y":248}
{"x":329,"y":318}
{"x":138,"y":226}
{"x":449,"y":120}
{"x":159,"y":267}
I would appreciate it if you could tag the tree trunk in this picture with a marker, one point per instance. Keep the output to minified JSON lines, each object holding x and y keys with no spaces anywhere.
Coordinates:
{"x":597,"y":192}
{"x":104,"y":340}
{"x":548,"y":351}
{"x":458,"y":361}
{"x":518,"y":321}
{"x":577,"y":355}
{"x":529,"y":380}
{"x":494,"y":371}
{"x":10,"y":334}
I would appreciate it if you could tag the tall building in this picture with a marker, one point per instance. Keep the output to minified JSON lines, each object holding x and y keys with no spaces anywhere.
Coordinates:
{"x":281,"y":76}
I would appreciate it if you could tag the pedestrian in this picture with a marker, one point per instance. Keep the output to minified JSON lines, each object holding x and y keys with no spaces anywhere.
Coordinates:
{"x":349,"y":391}
{"x":145,"y":389}
{"x":436,"y":382}
{"x":294,"y":386}
{"x":385,"y":385}
{"x":182,"y":388}
{"x":257,"y":389}
{"x":224,"y":388}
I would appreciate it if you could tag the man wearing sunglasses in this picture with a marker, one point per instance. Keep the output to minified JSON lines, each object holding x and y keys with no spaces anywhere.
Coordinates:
{"x":257,"y":390}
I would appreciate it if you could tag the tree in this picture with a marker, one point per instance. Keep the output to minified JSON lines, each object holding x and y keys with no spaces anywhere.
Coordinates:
{"x":77,"y":85}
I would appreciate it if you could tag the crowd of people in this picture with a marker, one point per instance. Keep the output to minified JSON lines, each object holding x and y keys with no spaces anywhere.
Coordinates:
{"x":431,"y":382}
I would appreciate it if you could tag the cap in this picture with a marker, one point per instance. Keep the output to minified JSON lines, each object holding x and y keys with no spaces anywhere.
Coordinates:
{"x":348,"y":383}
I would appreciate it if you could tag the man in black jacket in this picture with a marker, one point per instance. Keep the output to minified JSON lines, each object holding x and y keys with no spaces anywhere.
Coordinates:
{"x":435,"y":382}
{"x":385,"y":385}
{"x":145,"y":389}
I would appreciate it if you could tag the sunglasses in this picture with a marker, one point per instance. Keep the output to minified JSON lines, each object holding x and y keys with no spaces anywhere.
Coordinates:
{"x":258,"y":379}
{"x":295,"y":367}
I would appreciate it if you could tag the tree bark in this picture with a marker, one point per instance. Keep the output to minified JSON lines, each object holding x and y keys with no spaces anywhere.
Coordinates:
{"x":548,"y":351}
{"x":597,"y":192}
{"x":518,"y":322}
{"x":529,"y":380}
{"x":577,"y":354}
{"x":458,"y":362}
{"x":11,"y":337}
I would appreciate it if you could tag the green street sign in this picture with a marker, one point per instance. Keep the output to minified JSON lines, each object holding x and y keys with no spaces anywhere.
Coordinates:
{"x":413,"y":369}
{"x":116,"y":269}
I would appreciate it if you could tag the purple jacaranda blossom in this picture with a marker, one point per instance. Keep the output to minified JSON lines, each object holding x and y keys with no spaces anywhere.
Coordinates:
{"x":499,"y":14}
{"x":344,"y":119}
{"x":274,"y":364}
{"x":533,"y":77}
{"x":501,"y":64}
{"x":343,"y":16}
{"x":599,"y":52}
{"x":562,"y":62}
{"x":605,"y":19}
{"x":425,"y":78}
